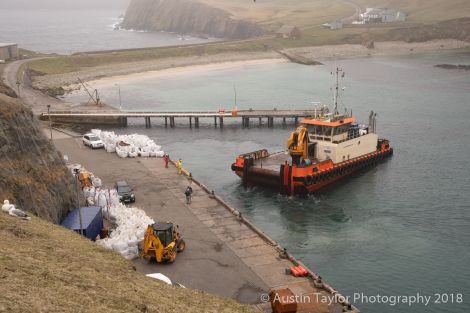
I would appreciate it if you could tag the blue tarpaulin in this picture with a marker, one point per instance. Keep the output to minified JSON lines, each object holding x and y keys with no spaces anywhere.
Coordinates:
{"x":92,"y":221}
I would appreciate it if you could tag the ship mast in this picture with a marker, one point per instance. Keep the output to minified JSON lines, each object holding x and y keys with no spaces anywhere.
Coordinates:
{"x":338,"y":70}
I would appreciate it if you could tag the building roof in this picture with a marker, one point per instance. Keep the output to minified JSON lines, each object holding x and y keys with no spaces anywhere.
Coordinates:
{"x":311,"y":121}
{"x":286,"y":29}
{"x":379,"y":12}
{"x":5,"y":44}
{"x":72,"y":221}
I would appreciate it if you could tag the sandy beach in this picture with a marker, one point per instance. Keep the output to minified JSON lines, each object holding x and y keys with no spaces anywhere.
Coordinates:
{"x":169,"y":72}
{"x":102,"y":76}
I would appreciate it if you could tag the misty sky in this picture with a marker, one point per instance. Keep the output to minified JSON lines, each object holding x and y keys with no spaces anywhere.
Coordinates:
{"x":63,"y":4}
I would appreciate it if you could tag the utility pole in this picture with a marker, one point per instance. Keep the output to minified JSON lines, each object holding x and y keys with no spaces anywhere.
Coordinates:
{"x":50,"y":122}
{"x":75,"y":171}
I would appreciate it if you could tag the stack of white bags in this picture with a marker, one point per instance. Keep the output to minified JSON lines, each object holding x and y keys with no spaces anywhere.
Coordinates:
{"x":131,"y":226}
{"x":129,"y":145}
{"x":131,"y":223}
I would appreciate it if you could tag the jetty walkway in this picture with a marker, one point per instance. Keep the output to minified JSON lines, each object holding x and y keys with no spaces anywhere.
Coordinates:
{"x":120,"y":118}
{"x":226,"y":254}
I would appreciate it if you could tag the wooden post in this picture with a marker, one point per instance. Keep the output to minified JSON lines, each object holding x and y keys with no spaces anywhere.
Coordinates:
{"x":259,"y":121}
{"x":284,"y":121}
{"x":196,"y":122}
{"x":215,"y":121}
{"x":190,"y":122}
{"x":296,"y":120}
{"x":172,"y":121}
{"x":166,"y":121}
{"x":221,"y":121}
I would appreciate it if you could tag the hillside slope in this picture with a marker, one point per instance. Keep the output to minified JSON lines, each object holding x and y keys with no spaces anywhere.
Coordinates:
{"x":187,"y":17}
{"x":47,"y":268}
{"x":32,"y":173}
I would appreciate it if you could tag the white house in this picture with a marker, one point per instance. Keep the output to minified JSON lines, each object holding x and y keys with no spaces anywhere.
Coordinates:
{"x":8,"y":51}
{"x":333,"y":25}
{"x":374,"y":15}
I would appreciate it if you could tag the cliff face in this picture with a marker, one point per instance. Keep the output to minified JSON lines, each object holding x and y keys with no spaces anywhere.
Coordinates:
{"x":32,"y":173}
{"x":186,"y":17}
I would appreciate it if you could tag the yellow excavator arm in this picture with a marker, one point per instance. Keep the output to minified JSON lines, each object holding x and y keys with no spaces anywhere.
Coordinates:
{"x":298,"y":143}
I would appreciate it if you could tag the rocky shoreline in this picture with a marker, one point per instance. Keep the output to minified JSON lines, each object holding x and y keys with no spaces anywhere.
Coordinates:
{"x":454,"y":67}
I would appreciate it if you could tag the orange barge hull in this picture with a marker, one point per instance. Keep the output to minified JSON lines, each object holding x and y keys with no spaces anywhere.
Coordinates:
{"x":292,"y":179}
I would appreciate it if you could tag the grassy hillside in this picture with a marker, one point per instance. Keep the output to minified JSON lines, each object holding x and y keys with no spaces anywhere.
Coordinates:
{"x":46,"y":268}
{"x":32,"y":172}
{"x":302,"y":13}
{"x":307,"y":13}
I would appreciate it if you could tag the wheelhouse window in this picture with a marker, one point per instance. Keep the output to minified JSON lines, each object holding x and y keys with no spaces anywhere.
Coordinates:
{"x":319,"y":130}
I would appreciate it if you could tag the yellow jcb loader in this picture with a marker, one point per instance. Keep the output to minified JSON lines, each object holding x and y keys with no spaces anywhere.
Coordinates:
{"x":161,"y":242}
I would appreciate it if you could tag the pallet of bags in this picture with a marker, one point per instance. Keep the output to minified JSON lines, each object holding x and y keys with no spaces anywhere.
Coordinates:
{"x":131,"y":226}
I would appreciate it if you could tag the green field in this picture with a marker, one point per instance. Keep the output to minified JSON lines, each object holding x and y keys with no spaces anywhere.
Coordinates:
{"x":307,"y":13}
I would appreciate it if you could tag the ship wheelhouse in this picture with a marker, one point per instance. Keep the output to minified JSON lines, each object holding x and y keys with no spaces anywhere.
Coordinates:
{"x":338,"y":137}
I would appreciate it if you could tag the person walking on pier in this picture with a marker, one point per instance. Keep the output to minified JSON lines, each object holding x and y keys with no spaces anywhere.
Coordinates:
{"x":188,"y":192}
{"x":166,"y":159}
{"x":179,"y":166}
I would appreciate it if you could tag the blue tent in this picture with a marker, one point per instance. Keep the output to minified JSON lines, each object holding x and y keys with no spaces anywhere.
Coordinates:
{"x":92,"y":221}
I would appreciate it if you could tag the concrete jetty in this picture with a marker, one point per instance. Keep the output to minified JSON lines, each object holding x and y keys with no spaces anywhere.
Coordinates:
{"x":120,"y":118}
{"x":226,"y":254}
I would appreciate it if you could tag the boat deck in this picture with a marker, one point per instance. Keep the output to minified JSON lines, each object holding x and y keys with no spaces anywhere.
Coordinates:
{"x":274,"y":161}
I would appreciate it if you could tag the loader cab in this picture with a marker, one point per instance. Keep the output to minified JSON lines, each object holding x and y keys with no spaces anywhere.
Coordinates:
{"x":164,"y":232}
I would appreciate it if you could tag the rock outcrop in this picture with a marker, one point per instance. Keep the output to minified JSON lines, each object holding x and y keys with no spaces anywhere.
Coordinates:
{"x":187,"y":17}
{"x":33,"y":175}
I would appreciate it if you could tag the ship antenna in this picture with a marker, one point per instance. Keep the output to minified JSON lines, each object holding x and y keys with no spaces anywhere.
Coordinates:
{"x":235,"y":95}
{"x":338,"y":70}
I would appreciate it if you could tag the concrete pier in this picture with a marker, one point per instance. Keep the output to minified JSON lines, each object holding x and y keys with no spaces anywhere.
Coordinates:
{"x":271,"y":121}
{"x":226,"y":254}
{"x":119,"y":118}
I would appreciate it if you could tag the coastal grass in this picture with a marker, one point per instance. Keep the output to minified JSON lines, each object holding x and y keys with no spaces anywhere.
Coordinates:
{"x":274,"y":13}
{"x":47,"y":268}
{"x":54,"y":65}
{"x":79,"y":61}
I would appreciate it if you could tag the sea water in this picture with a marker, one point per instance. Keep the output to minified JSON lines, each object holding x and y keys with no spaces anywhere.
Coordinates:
{"x":69,"y":31}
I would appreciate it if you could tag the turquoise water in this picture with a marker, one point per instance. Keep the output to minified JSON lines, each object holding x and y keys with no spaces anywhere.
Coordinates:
{"x":398,"y":229}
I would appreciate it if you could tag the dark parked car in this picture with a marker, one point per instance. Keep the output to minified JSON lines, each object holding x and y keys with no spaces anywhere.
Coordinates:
{"x":125,"y":192}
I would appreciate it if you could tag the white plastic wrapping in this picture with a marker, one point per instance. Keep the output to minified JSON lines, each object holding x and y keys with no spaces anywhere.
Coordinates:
{"x":131,"y":226}
{"x":129,"y":145}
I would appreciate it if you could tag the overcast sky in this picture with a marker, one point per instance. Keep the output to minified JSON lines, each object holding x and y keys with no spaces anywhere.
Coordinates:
{"x":63,"y":4}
